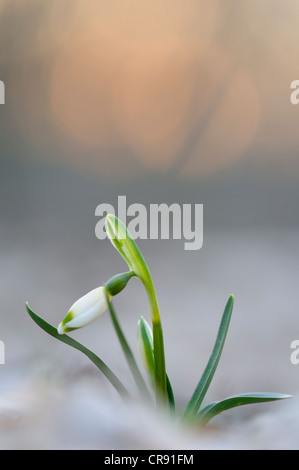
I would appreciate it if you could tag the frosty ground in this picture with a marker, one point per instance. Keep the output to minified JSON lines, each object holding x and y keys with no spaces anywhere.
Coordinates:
{"x":52,"y":397}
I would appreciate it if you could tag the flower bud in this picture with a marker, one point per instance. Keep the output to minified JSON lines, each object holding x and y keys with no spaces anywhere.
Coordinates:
{"x":85,"y":310}
{"x":145,"y":347}
{"x":118,"y":282}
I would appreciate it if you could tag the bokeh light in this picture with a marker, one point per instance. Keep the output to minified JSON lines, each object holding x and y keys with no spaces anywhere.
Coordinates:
{"x":122,"y":88}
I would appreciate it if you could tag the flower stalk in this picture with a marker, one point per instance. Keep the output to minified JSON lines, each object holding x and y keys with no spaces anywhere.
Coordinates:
{"x":127,"y":247}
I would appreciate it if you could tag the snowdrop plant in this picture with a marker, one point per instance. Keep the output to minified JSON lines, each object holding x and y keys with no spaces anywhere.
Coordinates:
{"x":150,"y":343}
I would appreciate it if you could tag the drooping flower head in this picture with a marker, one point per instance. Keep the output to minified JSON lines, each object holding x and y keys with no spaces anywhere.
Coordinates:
{"x":89,"y":307}
{"x":84,"y":311}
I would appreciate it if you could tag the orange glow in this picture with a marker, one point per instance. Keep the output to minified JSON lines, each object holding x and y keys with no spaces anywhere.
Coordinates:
{"x":125,"y":87}
{"x":131,"y":84}
{"x":230,"y":129}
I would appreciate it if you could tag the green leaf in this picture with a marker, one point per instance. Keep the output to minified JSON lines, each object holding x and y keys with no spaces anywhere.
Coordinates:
{"x":171,"y":401}
{"x":145,"y":347}
{"x":204,"y":383}
{"x":52,"y":331}
{"x":214,"y":409}
{"x":128,"y":354}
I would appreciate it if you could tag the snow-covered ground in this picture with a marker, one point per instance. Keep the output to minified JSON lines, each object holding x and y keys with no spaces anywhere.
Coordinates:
{"x":52,"y":397}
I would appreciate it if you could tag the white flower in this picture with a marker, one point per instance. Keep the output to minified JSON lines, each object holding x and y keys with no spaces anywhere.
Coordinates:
{"x":85,"y":310}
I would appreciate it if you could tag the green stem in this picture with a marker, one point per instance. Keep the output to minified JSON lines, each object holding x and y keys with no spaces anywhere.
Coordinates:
{"x":128,"y":354}
{"x":159,"y":355}
{"x":160,"y":374}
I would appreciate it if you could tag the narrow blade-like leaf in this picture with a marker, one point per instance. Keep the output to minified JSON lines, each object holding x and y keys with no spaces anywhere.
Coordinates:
{"x":214,"y":409}
{"x":171,"y":401}
{"x":52,"y":331}
{"x":204,"y":383}
{"x":128,"y":354}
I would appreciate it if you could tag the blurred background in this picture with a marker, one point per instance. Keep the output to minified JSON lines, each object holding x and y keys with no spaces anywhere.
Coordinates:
{"x":174,"y":102}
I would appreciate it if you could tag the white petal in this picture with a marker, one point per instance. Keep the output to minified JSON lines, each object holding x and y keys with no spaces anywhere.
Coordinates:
{"x":60,"y":329}
{"x":96,"y":297}
{"x":88,"y":316}
{"x":85,"y":310}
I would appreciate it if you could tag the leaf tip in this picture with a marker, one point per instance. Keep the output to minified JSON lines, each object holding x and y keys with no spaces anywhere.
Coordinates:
{"x":285,"y":397}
